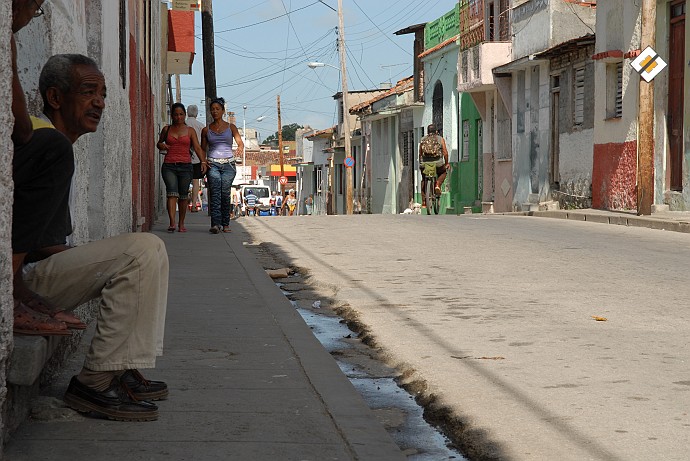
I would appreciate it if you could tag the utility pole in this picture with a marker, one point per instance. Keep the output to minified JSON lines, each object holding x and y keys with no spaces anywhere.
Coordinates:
{"x":178,"y":89}
{"x":346,"y":109}
{"x":645,"y":118}
{"x":209,"y":54}
{"x":280,"y":150}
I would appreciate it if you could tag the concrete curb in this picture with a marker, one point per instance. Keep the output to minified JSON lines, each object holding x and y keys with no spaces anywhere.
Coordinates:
{"x":680,"y":224}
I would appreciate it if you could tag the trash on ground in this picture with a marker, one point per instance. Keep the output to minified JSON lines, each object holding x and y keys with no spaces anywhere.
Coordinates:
{"x":278,"y":273}
{"x":599,"y":319}
{"x":316,"y":305}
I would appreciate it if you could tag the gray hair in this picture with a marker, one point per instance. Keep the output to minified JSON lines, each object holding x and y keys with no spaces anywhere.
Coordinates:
{"x":58,"y":72}
{"x":192,"y":110}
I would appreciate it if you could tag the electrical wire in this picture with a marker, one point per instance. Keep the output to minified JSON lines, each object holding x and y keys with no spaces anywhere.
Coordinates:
{"x":379,"y":29}
{"x":267,"y":20}
{"x":578,"y":17}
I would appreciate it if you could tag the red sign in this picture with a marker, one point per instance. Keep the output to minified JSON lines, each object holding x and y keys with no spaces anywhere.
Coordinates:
{"x":283,"y":180}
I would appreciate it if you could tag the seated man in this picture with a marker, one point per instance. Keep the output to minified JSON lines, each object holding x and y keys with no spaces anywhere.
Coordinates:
{"x":129,"y":273}
{"x":432,"y":149}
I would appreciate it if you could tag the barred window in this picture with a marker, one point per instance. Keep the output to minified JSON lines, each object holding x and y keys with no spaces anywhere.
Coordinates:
{"x":579,"y":96}
{"x":408,"y":147}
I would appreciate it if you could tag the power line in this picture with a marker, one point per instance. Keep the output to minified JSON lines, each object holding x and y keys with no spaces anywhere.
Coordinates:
{"x":382,"y":32}
{"x":267,"y":20}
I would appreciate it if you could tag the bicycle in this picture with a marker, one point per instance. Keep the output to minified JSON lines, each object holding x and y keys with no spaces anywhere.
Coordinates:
{"x":429,"y":176}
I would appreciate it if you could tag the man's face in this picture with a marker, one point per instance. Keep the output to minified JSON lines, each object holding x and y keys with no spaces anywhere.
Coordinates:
{"x":83,"y":106}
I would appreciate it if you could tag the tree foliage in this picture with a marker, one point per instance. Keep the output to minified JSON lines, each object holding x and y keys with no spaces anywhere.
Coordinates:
{"x":288,"y":134}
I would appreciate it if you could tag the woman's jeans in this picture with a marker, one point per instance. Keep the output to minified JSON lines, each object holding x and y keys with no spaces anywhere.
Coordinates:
{"x":220,"y":177}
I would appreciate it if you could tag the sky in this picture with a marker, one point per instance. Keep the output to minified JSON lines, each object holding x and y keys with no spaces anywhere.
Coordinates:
{"x":262,"y":48}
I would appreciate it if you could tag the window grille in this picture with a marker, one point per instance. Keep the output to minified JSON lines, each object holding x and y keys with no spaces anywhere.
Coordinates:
{"x":579,"y":96}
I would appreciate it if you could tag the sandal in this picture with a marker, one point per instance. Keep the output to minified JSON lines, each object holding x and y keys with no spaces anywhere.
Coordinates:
{"x":226,"y":229}
{"x":29,"y":322}
{"x":171,"y":229}
{"x":182,"y":229}
{"x":40,"y":305}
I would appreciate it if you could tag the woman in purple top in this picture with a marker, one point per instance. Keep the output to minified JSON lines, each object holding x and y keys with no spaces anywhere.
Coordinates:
{"x":216,"y":140}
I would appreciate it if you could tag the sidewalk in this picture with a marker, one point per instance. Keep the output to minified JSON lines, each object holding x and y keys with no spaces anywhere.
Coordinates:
{"x":675,"y":221}
{"x":248,"y":380}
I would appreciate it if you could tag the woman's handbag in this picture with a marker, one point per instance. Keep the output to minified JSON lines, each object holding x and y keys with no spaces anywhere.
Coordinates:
{"x":164,"y":139}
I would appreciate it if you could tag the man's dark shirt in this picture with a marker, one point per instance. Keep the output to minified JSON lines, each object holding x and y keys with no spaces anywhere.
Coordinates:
{"x":42,"y":171}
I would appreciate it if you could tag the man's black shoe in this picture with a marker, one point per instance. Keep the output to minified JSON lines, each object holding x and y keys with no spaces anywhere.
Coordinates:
{"x":114,"y":403}
{"x":143,"y":389}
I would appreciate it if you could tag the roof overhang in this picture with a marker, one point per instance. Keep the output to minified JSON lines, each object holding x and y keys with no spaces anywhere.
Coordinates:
{"x":567,"y":47}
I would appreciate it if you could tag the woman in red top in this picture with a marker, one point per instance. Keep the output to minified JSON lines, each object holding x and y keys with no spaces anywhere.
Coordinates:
{"x":177,"y":139}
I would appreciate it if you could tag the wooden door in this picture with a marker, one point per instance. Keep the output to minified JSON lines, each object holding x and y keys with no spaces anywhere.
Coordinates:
{"x":554,"y":177}
{"x":675,"y":93}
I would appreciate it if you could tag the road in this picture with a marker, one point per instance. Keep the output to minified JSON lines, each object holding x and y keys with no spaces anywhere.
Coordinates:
{"x":492,"y":317}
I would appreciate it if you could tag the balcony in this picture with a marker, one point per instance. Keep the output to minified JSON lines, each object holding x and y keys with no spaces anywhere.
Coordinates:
{"x":485,"y":42}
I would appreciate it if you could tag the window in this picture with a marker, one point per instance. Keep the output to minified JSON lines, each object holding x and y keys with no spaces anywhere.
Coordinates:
{"x":614,"y":90}
{"x":408,"y":147}
{"x":341,"y":177}
{"x":521,"y":102}
{"x":578,"y":96}
{"x":123,"y":43}
{"x":465,"y":141}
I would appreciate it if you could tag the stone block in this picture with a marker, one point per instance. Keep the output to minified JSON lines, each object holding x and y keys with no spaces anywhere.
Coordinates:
{"x":577,"y":216}
{"x":619,"y":220}
{"x":28,"y":357}
{"x":599,"y":218}
{"x":552,"y":214}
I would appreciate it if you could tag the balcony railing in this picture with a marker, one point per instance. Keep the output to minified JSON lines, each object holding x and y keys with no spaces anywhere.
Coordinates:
{"x":484,"y":20}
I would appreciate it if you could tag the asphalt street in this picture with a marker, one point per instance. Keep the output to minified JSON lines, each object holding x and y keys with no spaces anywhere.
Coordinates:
{"x":546,"y":339}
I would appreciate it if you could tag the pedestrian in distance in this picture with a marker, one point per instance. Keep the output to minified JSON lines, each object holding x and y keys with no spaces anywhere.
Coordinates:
{"x":216,"y":140}
{"x":176,"y":140}
{"x":290,"y":203}
{"x":128,"y":273}
{"x":279,"y":204}
{"x":197,"y":174}
{"x":309,"y":203}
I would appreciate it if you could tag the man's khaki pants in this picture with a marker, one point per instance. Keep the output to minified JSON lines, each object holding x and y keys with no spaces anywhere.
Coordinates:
{"x":130,"y":275}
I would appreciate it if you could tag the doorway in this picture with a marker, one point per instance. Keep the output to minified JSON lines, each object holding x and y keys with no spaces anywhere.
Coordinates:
{"x":676,"y":69}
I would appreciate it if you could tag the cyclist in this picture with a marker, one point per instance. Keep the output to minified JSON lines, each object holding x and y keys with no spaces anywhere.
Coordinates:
{"x":251,"y":200}
{"x":432,"y":149}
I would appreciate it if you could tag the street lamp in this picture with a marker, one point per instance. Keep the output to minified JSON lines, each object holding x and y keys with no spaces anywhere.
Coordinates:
{"x":314,"y":65}
{"x":244,"y":141}
{"x":346,"y":127}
